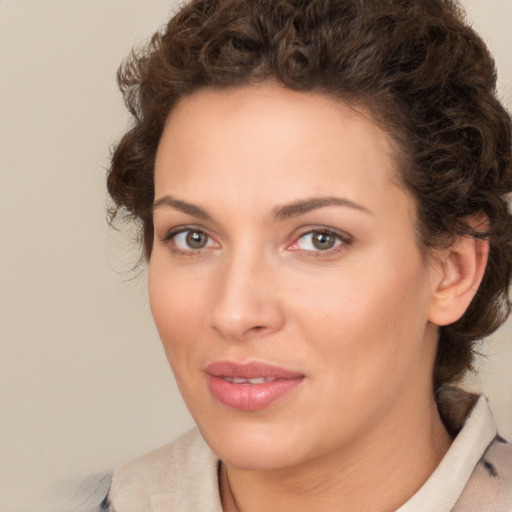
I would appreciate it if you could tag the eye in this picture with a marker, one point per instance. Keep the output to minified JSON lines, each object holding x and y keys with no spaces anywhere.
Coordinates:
{"x":188,"y":240}
{"x":320,"y":240}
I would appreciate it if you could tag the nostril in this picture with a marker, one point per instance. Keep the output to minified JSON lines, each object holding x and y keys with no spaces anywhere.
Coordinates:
{"x":239,"y":312}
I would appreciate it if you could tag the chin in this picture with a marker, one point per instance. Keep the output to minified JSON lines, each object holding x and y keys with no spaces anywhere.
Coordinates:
{"x":252,"y":456}
{"x":254,"y":446}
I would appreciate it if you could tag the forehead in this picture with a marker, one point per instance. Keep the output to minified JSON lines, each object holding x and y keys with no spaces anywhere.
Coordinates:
{"x":270,"y":143}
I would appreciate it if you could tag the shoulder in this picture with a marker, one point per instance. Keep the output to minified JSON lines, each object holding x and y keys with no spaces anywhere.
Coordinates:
{"x":497,"y":460}
{"x":171,"y":474}
{"x":491,"y":481}
{"x":170,"y":456}
{"x":476,"y":472}
{"x":77,"y":496}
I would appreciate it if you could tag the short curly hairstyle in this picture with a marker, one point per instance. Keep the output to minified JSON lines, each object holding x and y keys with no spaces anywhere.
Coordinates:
{"x":425,"y":76}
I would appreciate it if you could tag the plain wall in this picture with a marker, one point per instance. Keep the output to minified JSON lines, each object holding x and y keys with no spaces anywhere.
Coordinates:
{"x":84,"y":383}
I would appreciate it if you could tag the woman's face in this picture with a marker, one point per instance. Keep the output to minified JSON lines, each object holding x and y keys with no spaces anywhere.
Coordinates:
{"x":285,"y":253}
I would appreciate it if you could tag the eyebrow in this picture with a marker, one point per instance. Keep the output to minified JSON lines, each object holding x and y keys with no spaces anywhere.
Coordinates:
{"x":279,"y":213}
{"x":183,"y":206}
{"x":313,"y":203}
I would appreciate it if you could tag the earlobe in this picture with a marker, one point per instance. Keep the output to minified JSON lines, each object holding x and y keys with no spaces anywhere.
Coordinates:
{"x":459,"y":272}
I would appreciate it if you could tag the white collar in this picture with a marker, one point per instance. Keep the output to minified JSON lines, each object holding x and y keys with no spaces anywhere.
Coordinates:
{"x":444,"y":487}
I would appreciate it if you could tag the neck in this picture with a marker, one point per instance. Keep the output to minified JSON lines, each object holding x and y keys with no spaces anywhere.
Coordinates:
{"x":392,"y":461}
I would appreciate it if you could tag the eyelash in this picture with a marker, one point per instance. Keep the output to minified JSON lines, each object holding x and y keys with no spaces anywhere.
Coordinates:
{"x":171,"y":236}
{"x":342,"y":241}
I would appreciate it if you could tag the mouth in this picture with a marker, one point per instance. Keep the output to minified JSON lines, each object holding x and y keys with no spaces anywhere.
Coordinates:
{"x":240,"y":380}
{"x":251,"y":386}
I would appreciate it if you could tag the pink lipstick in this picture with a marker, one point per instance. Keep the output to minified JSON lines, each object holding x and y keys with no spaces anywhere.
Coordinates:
{"x":250,"y":386}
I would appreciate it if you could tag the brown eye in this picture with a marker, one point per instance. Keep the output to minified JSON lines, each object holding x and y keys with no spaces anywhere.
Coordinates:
{"x":319,"y":240}
{"x":190,"y":240}
{"x":196,"y":239}
{"x":323,"y":241}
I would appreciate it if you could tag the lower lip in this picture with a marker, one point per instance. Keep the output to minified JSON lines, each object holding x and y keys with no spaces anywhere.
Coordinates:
{"x":251,"y":397}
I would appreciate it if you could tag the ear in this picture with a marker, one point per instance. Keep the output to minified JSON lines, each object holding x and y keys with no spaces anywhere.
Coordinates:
{"x":457,"y":275}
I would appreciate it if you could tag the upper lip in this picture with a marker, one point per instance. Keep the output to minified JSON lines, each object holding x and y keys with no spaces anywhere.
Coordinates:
{"x":251,"y":370}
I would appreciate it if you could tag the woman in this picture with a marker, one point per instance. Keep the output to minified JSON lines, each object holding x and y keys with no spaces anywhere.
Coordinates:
{"x":321,"y":188}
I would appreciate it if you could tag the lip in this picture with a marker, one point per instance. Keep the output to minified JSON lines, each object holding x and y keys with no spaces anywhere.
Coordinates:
{"x":245,"y":396}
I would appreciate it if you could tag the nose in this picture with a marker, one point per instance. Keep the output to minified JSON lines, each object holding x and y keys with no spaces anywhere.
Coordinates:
{"x":246,"y":302}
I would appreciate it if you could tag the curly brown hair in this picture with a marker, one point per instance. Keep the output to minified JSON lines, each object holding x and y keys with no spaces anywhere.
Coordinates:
{"x":415,"y":65}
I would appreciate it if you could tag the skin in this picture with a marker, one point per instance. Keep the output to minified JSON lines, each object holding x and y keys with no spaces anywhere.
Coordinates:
{"x":358,"y":320}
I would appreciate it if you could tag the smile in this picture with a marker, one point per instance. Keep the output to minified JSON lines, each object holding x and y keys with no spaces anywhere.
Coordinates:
{"x":251,"y":386}
{"x":257,"y":380}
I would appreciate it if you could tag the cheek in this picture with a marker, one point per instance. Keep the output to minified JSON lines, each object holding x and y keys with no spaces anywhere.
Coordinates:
{"x":366,"y":318}
{"x":177,"y":307}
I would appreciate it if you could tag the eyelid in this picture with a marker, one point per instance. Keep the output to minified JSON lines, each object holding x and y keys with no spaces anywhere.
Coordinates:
{"x":172,"y":233}
{"x":345,"y":238}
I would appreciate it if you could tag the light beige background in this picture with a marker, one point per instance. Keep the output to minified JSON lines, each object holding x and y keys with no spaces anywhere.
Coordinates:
{"x":84,"y":384}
